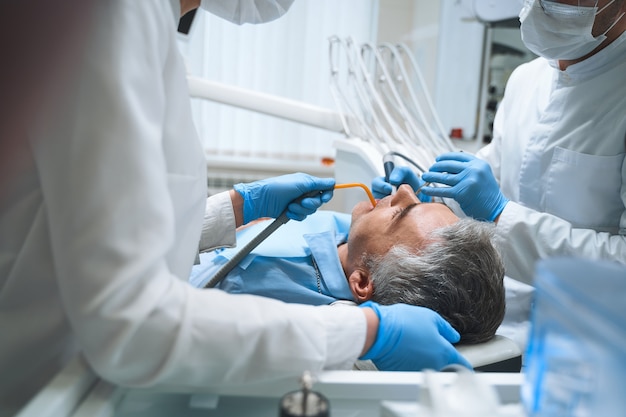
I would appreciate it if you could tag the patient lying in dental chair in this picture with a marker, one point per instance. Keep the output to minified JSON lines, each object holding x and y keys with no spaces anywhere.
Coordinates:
{"x":401,"y":251}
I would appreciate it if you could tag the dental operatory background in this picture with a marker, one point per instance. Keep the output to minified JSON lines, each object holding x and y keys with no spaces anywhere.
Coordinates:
{"x":464,"y":63}
{"x":334,"y":88}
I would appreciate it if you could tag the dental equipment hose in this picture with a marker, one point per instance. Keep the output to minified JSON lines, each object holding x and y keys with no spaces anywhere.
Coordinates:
{"x":389,"y":165}
{"x":279,"y":221}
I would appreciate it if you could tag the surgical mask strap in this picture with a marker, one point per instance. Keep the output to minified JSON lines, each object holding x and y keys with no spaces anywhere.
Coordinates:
{"x":596,"y":13}
{"x":615,"y":22}
{"x":605,"y":6}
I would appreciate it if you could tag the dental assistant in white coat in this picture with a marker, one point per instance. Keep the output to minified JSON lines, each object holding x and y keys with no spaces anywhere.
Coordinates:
{"x":101,"y":224}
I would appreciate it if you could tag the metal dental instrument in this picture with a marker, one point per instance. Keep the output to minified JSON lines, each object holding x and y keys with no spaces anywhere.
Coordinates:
{"x":417,"y":192}
{"x":279,"y":221}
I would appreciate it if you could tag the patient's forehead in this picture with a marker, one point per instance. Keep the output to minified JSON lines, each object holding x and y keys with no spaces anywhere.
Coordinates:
{"x":430,"y":216}
{"x":436,"y":207}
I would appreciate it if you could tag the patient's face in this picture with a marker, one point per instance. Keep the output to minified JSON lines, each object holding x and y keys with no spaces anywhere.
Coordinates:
{"x":397,"y":219}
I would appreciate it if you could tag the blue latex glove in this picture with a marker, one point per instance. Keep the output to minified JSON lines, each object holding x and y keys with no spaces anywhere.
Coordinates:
{"x":270,"y":197}
{"x":472,"y":184}
{"x":412,"y":338}
{"x":400,"y":175}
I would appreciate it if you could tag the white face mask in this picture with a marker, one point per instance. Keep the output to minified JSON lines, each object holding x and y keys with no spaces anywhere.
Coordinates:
{"x":247,"y":11}
{"x":560,"y":31}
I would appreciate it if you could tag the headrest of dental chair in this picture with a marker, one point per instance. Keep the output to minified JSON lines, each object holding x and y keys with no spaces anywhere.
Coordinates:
{"x":500,"y":354}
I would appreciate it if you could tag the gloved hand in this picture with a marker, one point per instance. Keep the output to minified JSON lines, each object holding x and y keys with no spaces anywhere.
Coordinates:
{"x":400,"y":175}
{"x":412,"y":338}
{"x":471,"y":182}
{"x":270,"y":197}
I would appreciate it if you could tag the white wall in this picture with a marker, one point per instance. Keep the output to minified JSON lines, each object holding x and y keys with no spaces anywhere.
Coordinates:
{"x":416,"y":24}
{"x":459,"y":66}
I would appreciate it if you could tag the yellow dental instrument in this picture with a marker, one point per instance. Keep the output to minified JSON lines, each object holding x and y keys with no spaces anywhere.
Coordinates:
{"x":358,"y":184}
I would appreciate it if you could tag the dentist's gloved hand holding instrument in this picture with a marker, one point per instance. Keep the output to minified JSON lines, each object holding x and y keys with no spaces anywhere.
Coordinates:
{"x":270,"y":197}
{"x":307,"y":202}
{"x":384,"y":186}
{"x":408,"y":341}
{"x":471,"y":183}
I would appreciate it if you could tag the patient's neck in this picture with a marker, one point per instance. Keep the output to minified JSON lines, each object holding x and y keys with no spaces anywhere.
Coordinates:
{"x":342,"y":251}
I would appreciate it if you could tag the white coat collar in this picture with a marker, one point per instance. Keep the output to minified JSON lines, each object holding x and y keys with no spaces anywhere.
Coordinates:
{"x":609,"y":57}
{"x":176,"y":10}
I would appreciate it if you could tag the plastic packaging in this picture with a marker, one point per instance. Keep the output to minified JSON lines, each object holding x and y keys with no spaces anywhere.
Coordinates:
{"x":576,"y":357}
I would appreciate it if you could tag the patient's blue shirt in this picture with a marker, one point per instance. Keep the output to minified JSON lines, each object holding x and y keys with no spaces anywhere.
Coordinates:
{"x":281,"y":266}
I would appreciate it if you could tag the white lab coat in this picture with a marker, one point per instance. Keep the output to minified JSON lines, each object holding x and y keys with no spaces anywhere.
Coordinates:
{"x":104,"y":223}
{"x":558,"y":152}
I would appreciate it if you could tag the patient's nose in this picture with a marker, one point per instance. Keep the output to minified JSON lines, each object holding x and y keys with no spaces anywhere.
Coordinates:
{"x":404,"y":194}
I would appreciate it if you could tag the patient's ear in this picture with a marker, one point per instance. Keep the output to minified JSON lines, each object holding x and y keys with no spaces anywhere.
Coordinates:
{"x":360,"y":284}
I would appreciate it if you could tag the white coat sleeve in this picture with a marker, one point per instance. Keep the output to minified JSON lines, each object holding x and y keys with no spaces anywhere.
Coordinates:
{"x":218,"y":228}
{"x":526,"y":236}
{"x":113,"y":226}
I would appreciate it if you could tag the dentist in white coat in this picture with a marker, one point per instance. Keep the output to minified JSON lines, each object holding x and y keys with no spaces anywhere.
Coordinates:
{"x":104,"y":213}
{"x":559,"y":142}
{"x":554,"y":176}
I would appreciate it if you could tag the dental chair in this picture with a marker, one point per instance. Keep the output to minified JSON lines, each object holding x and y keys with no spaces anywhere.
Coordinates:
{"x":499,"y":354}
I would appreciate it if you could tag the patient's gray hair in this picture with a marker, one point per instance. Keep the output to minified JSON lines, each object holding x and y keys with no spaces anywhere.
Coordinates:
{"x":459,"y":275}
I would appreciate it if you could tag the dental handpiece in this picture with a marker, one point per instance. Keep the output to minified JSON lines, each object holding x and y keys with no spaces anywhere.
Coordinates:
{"x":388,"y":166}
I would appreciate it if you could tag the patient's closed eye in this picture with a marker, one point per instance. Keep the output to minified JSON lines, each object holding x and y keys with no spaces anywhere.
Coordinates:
{"x":400,"y":213}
